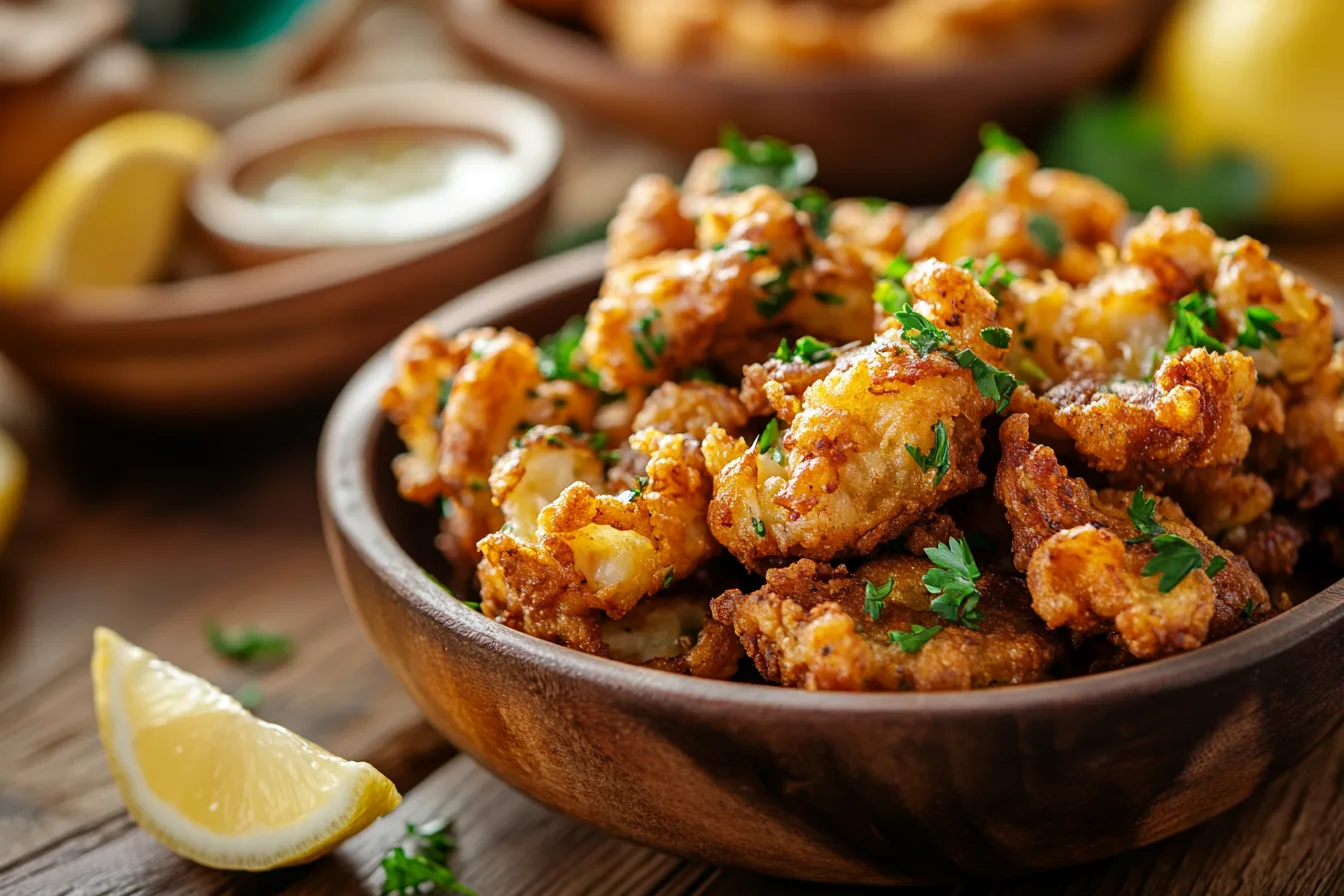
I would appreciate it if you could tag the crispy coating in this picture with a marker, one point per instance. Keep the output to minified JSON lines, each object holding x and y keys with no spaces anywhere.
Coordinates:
{"x":1001,"y":217}
{"x":691,"y":408}
{"x":1091,"y":583}
{"x":777,"y":387}
{"x":649,"y":222}
{"x":593,"y":552}
{"x":807,"y":628}
{"x":876,"y":229}
{"x":545,"y":462}
{"x":562,"y":403}
{"x":1270,"y":544}
{"x":1189,"y":416}
{"x":816,"y":498}
{"x":1218,"y":498}
{"x":1309,"y":460}
{"x":1177,"y":248}
{"x":674,"y":632}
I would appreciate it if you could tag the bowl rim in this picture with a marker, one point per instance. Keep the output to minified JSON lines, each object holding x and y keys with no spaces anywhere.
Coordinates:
{"x":345,"y":488}
{"x":282,"y":281}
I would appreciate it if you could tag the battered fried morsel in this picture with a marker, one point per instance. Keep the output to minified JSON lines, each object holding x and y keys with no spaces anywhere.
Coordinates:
{"x":691,"y":408}
{"x":675,"y":633}
{"x":1071,"y":543}
{"x":777,"y":386}
{"x":649,"y":222}
{"x":876,"y":229}
{"x":1218,"y":498}
{"x":1009,"y":206}
{"x":1270,"y":544}
{"x":1309,"y":461}
{"x":806,"y":627}
{"x":1190,"y":416}
{"x":545,"y":462}
{"x":1177,"y":248}
{"x":594,"y":552}
{"x":815,"y":497}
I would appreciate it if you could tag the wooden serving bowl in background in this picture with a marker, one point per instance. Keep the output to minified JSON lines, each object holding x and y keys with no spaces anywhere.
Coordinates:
{"x":255,"y":339}
{"x":907,"y":131}
{"x":863,"y":788}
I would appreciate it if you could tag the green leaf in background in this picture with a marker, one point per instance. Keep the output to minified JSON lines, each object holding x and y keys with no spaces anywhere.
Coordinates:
{"x":1127,"y":144}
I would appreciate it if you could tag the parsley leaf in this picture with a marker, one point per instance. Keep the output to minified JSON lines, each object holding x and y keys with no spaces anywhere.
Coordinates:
{"x":630,"y":494}
{"x":756,"y":251}
{"x":998,"y":145}
{"x":758,"y":527}
{"x":890,"y":291}
{"x":995,"y":275}
{"x":995,"y":384}
{"x":937,"y":458}
{"x":1259,"y":326}
{"x":1248,"y":610}
{"x":827,"y":298}
{"x":1175,"y":559}
{"x":953,"y":580}
{"x":424,"y":860}
{"x":1194,"y":314}
{"x":875,"y":597}
{"x":779,"y":292}
{"x":669,"y":577}
{"x":914,"y":639}
{"x":770,"y":439}
{"x":999,"y":337}
{"x":1215,"y":566}
{"x":648,"y":345}
{"x":806,"y":349}
{"x":1045,"y":232}
{"x":247,"y":643}
{"x":1143,"y":514}
{"x":919,"y":331}
{"x":702,"y":373}
{"x":556,"y":355}
{"x":768,"y":160}
{"x":818,"y":207}
{"x":249,"y":695}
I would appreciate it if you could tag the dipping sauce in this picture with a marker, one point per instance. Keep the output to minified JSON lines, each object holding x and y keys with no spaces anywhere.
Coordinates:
{"x":382,"y":186}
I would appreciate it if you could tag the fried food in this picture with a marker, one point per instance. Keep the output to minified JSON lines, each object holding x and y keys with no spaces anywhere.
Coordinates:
{"x":649,"y":222}
{"x":807,"y":628}
{"x":1085,"y":574}
{"x":814,"y":496}
{"x":674,"y":632}
{"x":691,"y":408}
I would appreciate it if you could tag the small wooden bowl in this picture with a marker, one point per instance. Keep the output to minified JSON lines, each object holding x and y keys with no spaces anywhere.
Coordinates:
{"x":259,"y":338}
{"x":903,"y":131}
{"x":863,"y":788}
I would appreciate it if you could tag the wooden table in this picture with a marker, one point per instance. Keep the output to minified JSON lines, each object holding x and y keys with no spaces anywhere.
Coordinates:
{"x":155,"y":532}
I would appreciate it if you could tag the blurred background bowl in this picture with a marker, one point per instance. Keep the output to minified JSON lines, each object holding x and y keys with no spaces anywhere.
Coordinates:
{"x":907,"y":130}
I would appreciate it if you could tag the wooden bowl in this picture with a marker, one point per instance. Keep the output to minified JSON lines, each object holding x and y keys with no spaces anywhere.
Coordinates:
{"x":863,"y":788}
{"x":907,"y":131}
{"x":259,"y":338}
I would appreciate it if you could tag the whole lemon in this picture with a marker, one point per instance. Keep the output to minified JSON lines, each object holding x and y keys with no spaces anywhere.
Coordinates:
{"x":1265,"y":77}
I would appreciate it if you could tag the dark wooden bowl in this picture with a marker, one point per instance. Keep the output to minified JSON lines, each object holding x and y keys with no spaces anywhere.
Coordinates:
{"x":872,"y":788}
{"x":907,"y":131}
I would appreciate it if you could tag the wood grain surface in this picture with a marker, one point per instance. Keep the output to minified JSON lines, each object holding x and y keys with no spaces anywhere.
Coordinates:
{"x":153,"y":533}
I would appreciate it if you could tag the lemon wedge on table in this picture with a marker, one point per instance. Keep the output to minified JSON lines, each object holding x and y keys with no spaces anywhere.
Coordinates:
{"x":215,"y":784}
{"x":13,"y":481}
{"x":107,"y":211}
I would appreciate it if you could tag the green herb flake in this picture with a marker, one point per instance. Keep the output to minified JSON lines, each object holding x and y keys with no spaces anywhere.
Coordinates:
{"x":890,"y":292}
{"x":1143,"y":514}
{"x":421,"y":865}
{"x":806,"y":349}
{"x":1045,"y":232}
{"x":919,"y":331}
{"x":249,"y":695}
{"x":701,"y":373}
{"x":953,"y":580}
{"x":995,"y":384}
{"x":1258,"y":327}
{"x":758,"y":527}
{"x":245,"y":644}
{"x":648,"y":345}
{"x":1175,"y":559}
{"x":828,"y":298}
{"x":875,"y":597}
{"x":817,"y":205}
{"x":916,"y":638}
{"x":779,"y":292}
{"x":1248,"y":611}
{"x":1215,"y":566}
{"x":756,"y":251}
{"x":445,"y":390}
{"x":937,"y":458}
{"x":669,"y":577}
{"x":999,"y":337}
{"x":1194,"y":315}
{"x":767,"y":160}
{"x":471,"y":605}
{"x":769,"y":435}
{"x":997,"y":145}
{"x":556,"y":355}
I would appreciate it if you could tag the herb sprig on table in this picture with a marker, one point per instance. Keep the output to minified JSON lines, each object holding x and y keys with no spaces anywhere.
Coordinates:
{"x":247,"y":643}
{"x":421,"y":865}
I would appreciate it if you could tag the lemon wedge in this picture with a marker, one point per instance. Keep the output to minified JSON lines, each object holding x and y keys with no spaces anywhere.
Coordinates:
{"x":107,"y":211}
{"x":13,"y":481}
{"x":212,"y":782}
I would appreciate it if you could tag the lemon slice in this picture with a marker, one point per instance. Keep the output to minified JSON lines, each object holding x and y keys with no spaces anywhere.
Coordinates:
{"x":13,"y":480}
{"x":215,"y":784}
{"x":107,"y":212}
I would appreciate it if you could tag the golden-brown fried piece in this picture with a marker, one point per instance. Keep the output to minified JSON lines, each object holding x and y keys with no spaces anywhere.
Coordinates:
{"x":690,"y":408}
{"x":1082,"y":574}
{"x":649,"y":222}
{"x":806,"y":627}
{"x":545,"y":462}
{"x":1270,"y":544}
{"x":1217,"y":498}
{"x":674,"y":632}
{"x":777,"y":386}
{"x":1007,"y":208}
{"x":1178,"y":248}
{"x":1309,"y":460}
{"x":1189,"y":416}
{"x":594,"y":552}
{"x":876,"y":229}
{"x":816,"y":496}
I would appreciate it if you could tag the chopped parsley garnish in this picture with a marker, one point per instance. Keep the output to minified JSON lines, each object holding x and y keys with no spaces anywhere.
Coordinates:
{"x":758,"y":527}
{"x":818,"y":207}
{"x":557,"y":361}
{"x":995,"y":275}
{"x":875,"y":597}
{"x":471,"y":605}
{"x":997,"y":145}
{"x":890,"y":292}
{"x":806,"y":349}
{"x":669,"y":576}
{"x":769,"y":441}
{"x":874,"y":203}
{"x":609,"y":457}
{"x":249,"y":695}
{"x":702,"y":373}
{"x":1215,"y":566}
{"x":953,"y":580}
{"x":1194,"y":315}
{"x":827,"y":298}
{"x":555,"y":441}
{"x":767,"y":160}
{"x":648,"y":345}
{"x":423,"y":861}
{"x":999,"y":337}
{"x":779,"y":292}
{"x":445,"y":390}
{"x":917,"y":637}
{"x":995,"y":384}
{"x":243,"y":645}
{"x":1143,"y":514}
{"x":1175,"y":559}
{"x":630,"y":494}
{"x":919,"y":331}
{"x":756,"y":251}
{"x":597,"y":440}
{"x":1045,"y":232}
{"x":1259,"y":326}
{"x":937,"y":458}
{"x":1248,"y":610}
